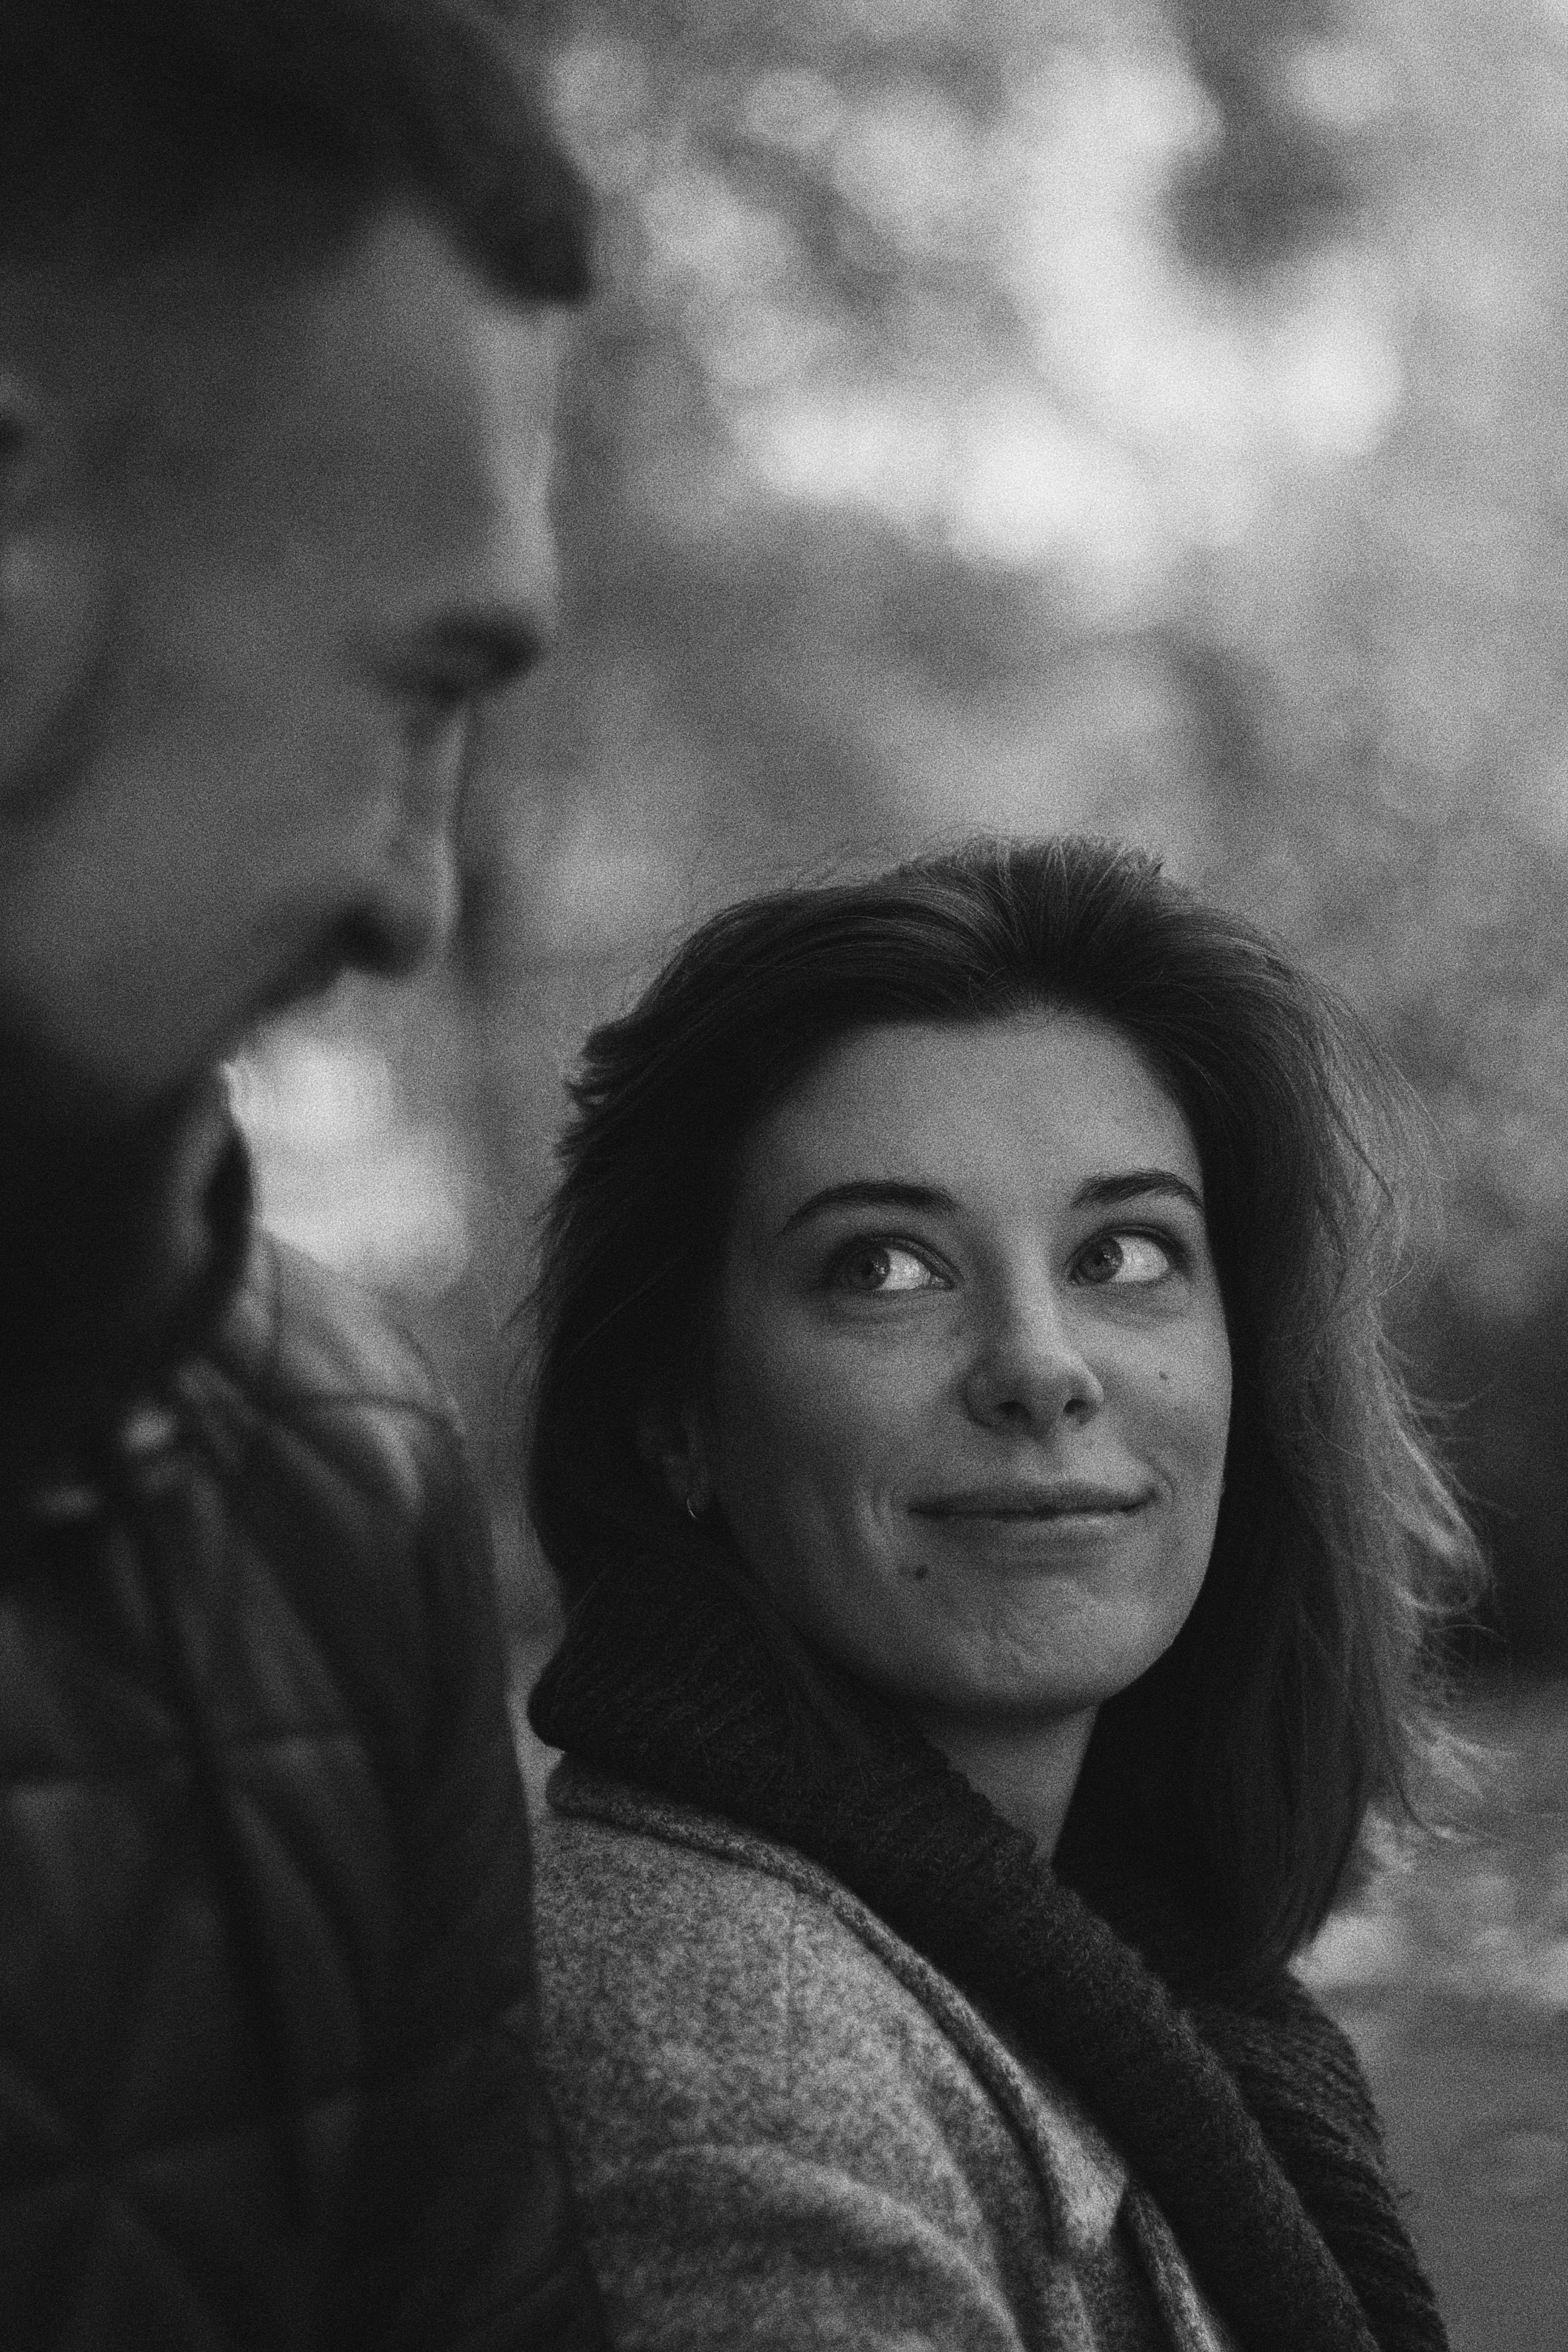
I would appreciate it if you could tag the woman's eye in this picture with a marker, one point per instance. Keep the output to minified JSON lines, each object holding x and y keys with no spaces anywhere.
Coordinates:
{"x":1125,"y":1259}
{"x":882,"y":1266}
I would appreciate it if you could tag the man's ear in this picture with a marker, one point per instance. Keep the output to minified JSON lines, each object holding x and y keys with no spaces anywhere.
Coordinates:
{"x":53,"y":591}
{"x":671,"y":1444}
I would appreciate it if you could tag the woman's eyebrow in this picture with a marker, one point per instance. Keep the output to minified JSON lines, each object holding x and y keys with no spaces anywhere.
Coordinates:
{"x":1104,"y":1191}
{"x":870,"y":1192}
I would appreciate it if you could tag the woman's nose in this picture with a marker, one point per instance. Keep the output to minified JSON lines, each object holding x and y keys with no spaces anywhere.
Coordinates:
{"x":1029,"y":1370}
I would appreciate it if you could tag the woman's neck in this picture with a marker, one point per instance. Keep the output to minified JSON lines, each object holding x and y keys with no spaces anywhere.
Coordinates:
{"x":1028,"y":1770}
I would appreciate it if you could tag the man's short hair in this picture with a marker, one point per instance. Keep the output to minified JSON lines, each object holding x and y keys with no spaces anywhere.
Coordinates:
{"x":129,"y":126}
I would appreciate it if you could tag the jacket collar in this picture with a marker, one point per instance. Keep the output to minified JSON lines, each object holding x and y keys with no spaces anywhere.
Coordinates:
{"x":112,"y":1276}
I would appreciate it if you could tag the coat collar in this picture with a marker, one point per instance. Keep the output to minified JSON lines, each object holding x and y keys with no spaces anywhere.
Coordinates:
{"x":107,"y":1307}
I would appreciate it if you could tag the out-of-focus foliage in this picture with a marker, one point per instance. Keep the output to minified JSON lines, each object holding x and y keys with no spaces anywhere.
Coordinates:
{"x":1451,"y":1969}
{"x":1143,"y":415}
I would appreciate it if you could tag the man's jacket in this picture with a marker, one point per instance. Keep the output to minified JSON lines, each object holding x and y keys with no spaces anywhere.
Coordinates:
{"x":266,"y":1997}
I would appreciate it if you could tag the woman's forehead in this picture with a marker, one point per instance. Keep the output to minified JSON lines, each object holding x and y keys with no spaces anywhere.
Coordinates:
{"x":1038,"y":1099}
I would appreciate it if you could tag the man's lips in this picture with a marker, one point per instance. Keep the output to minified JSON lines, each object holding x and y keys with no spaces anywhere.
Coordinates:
{"x":312,"y":975}
{"x":1015,"y":1499}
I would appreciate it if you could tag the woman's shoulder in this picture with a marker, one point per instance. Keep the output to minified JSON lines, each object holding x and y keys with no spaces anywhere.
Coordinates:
{"x":724,"y":1986}
{"x":653,"y":1916}
{"x":618,"y":1865}
{"x":603,"y":1841}
{"x":665,"y":1965}
{"x":682,"y":1900}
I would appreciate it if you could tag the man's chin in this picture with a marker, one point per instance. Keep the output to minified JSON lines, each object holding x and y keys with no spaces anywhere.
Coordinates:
{"x":66,"y":1124}
{"x":52,"y":1094}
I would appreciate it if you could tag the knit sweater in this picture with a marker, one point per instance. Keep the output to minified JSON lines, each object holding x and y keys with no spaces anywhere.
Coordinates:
{"x":1245,"y":2119}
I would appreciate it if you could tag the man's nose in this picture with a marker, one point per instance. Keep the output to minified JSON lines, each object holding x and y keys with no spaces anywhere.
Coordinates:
{"x":511,"y":623}
{"x":1028,"y":1372}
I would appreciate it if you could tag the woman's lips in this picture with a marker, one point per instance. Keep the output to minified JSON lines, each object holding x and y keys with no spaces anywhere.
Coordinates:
{"x":1027,"y":1501}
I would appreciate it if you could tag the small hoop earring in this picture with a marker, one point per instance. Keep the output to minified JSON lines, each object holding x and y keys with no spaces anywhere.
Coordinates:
{"x":692,"y":1513}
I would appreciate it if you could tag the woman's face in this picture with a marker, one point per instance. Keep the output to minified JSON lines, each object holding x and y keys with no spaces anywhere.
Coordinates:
{"x":970,"y":1381}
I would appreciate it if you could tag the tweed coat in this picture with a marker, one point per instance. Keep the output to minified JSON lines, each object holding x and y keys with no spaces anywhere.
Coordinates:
{"x":788,"y":2128}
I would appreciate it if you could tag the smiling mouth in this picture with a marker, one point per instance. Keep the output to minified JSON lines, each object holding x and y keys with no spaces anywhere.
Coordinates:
{"x":1032,"y":1504}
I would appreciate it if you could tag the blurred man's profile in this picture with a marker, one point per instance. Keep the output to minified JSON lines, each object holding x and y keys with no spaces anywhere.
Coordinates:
{"x":279,"y":289}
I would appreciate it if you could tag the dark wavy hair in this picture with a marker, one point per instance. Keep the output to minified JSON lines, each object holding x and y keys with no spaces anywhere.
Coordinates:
{"x":129,"y":125}
{"x":1239,"y":1768}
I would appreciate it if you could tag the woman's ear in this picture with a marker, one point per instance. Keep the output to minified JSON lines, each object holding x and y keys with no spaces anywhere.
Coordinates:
{"x":671,"y":1444}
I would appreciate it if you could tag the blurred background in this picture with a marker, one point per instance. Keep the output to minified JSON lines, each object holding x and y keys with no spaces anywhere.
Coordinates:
{"x":1143,"y":416}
